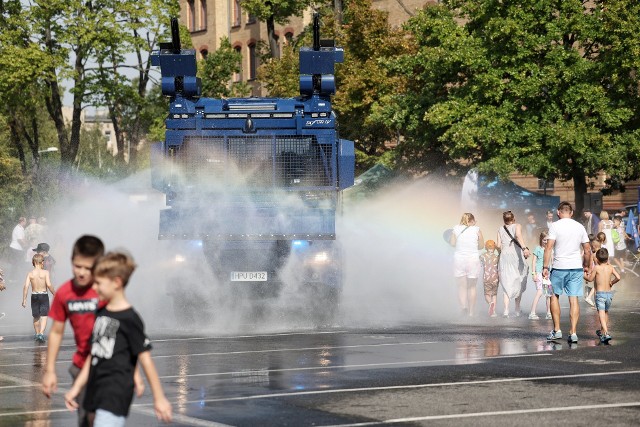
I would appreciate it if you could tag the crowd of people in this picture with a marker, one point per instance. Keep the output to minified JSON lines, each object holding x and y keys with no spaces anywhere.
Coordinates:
{"x":109,"y":333}
{"x":579,"y":259}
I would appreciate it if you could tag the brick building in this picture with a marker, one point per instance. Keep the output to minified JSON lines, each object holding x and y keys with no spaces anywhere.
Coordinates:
{"x":210,"y":20}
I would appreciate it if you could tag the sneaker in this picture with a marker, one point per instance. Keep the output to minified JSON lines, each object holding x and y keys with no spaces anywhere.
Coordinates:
{"x":494,"y":314}
{"x":492,"y":309}
{"x":548,"y":316}
{"x":554,"y":335}
{"x":533,"y":316}
{"x":605,"y":338}
{"x":599,"y":332}
{"x":573,"y":338}
{"x":590,"y":302}
{"x":505,"y":314}
{"x":518,"y":313}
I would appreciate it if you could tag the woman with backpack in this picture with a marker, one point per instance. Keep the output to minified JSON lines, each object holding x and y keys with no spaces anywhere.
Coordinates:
{"x":512,"y":267}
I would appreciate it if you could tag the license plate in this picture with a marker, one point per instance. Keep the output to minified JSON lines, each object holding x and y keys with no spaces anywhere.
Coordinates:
{"x":248,"y":276}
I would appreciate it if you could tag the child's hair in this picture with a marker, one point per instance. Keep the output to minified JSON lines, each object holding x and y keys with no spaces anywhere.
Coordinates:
{"x":37,"y":259}
{"x":601,"y":237}
{"x":490,"y":245}
{"x":617,"y":218}
{"x":88,"y":246}
{"x":602,"y":255}
{"x":543,"y":235}
{"x":115,"y":264}
{"x":592,"y":237}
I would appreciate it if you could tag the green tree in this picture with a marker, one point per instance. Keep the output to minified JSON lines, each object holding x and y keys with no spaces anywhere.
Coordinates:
{"x":511,"y":86}
{"x":363,"y":80}
{"x":272,"y":12}
{"x":217,"y":69}
{"x":127,"y":39}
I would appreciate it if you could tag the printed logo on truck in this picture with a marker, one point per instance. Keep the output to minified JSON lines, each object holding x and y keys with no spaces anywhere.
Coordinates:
{"x":317,"y":122}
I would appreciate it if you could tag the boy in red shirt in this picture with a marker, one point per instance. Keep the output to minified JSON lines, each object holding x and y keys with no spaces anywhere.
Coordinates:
{"x":77,"y":301}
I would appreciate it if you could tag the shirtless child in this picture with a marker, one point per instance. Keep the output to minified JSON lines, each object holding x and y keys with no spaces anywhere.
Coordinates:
{"x":39,"y":281}
{"x":601,"y":278}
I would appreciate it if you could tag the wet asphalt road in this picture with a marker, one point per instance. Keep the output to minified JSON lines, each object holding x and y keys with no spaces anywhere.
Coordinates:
{"x":476,"y":372}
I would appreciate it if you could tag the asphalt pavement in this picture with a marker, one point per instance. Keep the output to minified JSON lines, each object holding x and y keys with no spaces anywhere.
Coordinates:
{"x":472,"y":371}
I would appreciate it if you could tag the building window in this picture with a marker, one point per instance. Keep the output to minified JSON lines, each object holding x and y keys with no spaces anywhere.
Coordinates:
{"x":191,"y":15}
{"x":544,"y":184}
{"x":238,"y":76}
{"x":251,"y":19}
{"x":236,"y":13}
{"x":204,"y":53}
{"x":252,"y":61}
{"x":203,"y":14}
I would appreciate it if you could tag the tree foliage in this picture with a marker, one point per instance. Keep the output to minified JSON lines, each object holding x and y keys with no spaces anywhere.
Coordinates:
{"x":274,"y":12}
{"x":535,"y":87}
{"x":217,"y":70}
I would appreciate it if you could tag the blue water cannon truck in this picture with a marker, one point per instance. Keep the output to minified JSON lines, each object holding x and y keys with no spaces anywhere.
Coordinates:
{"x":257,"y":180}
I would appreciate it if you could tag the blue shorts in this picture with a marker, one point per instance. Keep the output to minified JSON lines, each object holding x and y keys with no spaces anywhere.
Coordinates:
{"x":568,"y":281}
{"x":107,"y":419}
{"x":603,"y":301}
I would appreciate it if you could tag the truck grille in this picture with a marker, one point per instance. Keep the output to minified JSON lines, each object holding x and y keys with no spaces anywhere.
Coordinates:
{"x":255,"y":161}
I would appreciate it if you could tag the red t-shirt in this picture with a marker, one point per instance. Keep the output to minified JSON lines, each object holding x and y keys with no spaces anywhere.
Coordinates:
{"x":79,"y":305}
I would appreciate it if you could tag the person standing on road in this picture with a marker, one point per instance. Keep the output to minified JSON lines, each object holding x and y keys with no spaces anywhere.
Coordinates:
{"x":467,"y":239}
{"x":490,"y":277}
{"x":536,"y":265}
{"x":77,"y":301}
{"x":17,"y":247}
{"x":531,"y":230}
{"x":605,"y":226}
{"x":549,"y":219}
{"x":39,"y":281}
{"x":512,"y":268}
{"x":604,"y":276}
{"x":566,"y":239}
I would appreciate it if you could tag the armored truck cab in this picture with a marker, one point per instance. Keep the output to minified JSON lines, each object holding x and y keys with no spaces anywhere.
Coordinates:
{"x":257,"y":180}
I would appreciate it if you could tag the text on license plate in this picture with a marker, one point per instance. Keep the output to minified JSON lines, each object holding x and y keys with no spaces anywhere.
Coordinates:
{"x":248,"y":276}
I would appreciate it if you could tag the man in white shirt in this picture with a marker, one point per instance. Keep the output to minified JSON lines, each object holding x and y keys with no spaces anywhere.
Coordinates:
{"x":569,"y":243}
{"x":17,"y":248}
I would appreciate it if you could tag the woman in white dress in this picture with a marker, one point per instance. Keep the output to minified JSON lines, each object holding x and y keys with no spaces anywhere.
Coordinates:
{"x":513,"y":268}
{"x":467,"y":239}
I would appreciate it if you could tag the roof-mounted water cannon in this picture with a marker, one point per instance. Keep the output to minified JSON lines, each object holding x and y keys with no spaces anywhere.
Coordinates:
{"x":317,"y":64}
{"x":177,"y":66}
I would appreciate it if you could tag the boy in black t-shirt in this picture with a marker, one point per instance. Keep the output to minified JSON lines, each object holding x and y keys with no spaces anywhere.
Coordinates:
{"x":118,"y":342}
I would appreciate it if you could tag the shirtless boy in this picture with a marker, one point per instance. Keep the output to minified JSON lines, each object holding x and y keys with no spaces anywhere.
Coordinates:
{"x":601,"y":278}
{"x":39,"y":280}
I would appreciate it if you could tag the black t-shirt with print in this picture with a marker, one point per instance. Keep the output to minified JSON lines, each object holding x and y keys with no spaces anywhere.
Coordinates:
{"x":117,"y":340}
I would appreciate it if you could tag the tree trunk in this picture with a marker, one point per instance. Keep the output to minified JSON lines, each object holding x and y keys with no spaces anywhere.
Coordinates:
{"x":53,"y":102}
{"x":17,"y":143}
{"x":116,"y":120}
{"x":579,"y":190}
{"x":337,"y":9}
{"x":271,"y":34}
{"x":68,"y":157}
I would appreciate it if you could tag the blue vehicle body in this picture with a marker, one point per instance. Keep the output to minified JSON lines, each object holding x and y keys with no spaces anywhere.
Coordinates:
{"x":258,"y":180}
